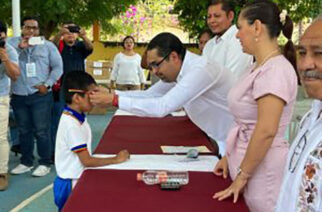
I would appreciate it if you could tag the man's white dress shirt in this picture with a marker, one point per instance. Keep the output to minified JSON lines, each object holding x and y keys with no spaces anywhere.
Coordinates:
{"x":302,"y":184}
{"x":201,"y":89}
{"x":227,"y":51}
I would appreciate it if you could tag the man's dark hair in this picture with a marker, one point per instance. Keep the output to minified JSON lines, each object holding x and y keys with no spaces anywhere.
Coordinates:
{"x":77,"y":80}
{"x":27,"y":18}
{"x":3,"y":27}
{"x":165,"y":43}
{"x":226,"y":5}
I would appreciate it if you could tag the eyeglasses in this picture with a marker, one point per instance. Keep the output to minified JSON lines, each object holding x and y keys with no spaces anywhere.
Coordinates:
{"x":30,"y":27}
{"x":297,"y":153}
{"x":155,"y":65}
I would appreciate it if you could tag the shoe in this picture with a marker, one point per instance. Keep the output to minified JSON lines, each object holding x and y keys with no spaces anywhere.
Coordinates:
{"x":20,"y":169}
{"x":41,"y":171}
{"x":4,"y":180}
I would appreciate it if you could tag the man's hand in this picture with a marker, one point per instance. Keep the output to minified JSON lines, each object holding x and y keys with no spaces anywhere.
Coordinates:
{"x":101,"y":96}
{"x":24,"y":43}
{"x":3,"y":55}
{"x":63,"y":31}
{"x":42,"y":89}
{"x":122,"y":156}
{"x":82,"y":33}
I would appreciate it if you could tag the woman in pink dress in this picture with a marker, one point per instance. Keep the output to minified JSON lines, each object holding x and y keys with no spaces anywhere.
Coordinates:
{"x":262,"y":103}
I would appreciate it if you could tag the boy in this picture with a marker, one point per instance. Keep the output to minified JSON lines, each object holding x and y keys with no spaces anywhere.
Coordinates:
{"x":73,"y":141}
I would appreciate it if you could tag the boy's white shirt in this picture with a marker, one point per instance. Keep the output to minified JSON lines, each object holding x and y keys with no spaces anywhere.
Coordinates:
{"x":71,"y":133}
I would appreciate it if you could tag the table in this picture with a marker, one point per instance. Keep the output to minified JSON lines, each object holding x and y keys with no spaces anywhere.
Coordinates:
{"x":146,"y":135}
{"x":118,"y":190}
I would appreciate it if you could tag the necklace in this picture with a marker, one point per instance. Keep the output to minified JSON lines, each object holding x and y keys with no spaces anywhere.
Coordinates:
{"x":267,"y":57}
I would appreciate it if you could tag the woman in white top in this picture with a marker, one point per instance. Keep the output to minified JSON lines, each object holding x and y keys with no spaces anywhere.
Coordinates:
{"x":127,"y":73}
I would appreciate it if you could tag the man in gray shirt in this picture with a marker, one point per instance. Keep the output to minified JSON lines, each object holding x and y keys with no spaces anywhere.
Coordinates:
{"x":41,"y":66}
{"x":8,"y":70}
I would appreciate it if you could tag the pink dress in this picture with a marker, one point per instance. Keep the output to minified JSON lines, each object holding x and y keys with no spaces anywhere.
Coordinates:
{"x":276,"y":77}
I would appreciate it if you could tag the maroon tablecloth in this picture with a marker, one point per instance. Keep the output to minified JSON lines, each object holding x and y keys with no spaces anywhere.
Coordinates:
{"x":118,"y":191}
{"x":146,"y":135}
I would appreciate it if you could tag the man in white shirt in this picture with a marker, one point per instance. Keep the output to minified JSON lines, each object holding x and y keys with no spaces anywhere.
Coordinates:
{"x":187,"y":80}
{"x":225,"y":48}
{"x":302,"y":185}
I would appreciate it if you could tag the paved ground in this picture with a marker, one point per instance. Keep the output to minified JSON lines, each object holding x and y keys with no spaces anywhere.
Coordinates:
{"x":22,"y":187}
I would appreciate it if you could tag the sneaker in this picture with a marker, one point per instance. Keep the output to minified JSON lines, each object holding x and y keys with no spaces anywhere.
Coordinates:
{"x":20,"y":169}
{"x":41,"y":171}
{"x":4,"y":179}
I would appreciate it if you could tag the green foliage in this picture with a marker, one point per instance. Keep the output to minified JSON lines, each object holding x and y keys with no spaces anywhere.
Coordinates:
{"x":140,"y":20}
{"x":51,"y":13}
{"x":192,"y":14}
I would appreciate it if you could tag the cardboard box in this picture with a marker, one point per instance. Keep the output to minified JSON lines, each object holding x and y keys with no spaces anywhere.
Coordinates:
{"x":99,"y":73}
{"x":99,"y":64}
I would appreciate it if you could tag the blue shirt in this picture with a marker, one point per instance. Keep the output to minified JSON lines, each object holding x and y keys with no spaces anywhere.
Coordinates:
{"x":48,"y":62}
{"x":4,"y":79}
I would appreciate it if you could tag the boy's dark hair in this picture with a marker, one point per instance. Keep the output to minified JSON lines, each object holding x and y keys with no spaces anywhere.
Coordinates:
{"x":27,"y":18}
{"x":3,"y":27}
{"x":78,"y":80}
{"x":165,"y":43}
{"x":226,"y":5}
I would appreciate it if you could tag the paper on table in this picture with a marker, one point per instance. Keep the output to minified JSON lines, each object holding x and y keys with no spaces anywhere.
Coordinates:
{"x":184,"y":149}
{"x":205,"y":163}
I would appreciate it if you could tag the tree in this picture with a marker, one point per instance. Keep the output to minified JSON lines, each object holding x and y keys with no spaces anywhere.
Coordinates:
{"x":51,"y":13}
{"x":193,"y":14}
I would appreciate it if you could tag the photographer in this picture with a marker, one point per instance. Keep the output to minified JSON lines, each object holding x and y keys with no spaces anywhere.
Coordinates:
{"x":72,"y":50}
{"x":41,"y":66}
{"x":8,"y":70}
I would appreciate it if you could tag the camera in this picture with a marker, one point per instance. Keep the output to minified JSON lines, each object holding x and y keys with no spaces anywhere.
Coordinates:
{"x":74,"y":29}
{"x":2,"y":43}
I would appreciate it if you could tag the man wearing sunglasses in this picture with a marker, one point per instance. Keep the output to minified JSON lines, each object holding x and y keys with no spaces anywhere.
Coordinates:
{"x":188,"y":81}
{"x":302,"y":185}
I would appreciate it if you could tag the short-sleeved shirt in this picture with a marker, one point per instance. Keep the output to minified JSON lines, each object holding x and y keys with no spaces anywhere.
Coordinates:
{"x":73,"y":135}
{"x":74,"y":56}
{"x":276,"y":77}
{"x":4,"y":79}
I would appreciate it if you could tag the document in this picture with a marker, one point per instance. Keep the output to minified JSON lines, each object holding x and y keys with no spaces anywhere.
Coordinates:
{"x":184,"y":149}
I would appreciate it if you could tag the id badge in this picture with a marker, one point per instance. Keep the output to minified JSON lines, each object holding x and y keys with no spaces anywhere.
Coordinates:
{"x":31,"y":70}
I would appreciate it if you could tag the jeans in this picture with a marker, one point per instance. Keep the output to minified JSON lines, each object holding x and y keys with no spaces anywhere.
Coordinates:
{"x":4,"y":146}
{"x":33,"y":116}
{"x":57,"y":110}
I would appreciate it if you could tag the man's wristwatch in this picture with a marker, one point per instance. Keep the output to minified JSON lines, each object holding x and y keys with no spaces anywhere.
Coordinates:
{"x":47,"y":86}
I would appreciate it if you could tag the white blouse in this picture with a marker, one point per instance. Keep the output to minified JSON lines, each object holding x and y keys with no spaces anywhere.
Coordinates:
{"x":127,"y":70}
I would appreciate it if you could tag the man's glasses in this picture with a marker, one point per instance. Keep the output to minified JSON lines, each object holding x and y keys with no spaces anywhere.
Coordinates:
{"x":30,"y":27}
{"x":297,"y":153}
{"x":155,"y":65}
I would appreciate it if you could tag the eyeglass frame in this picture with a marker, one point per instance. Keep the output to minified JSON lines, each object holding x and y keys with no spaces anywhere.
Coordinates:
{"x":35,"y":28}
{"x":302,"y":139}
{"x":156,"y":65}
